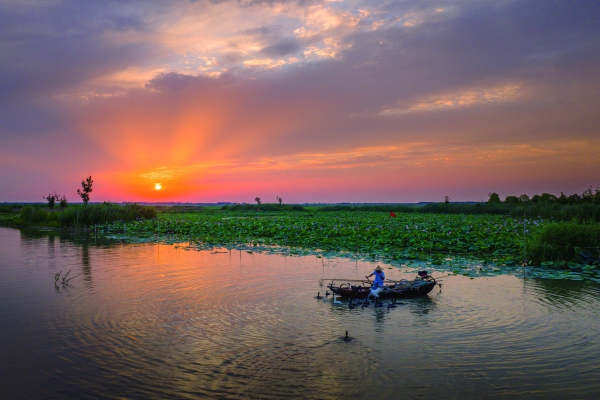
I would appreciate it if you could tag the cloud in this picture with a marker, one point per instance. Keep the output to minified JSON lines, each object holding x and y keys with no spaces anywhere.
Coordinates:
{"x":320,"y":89}
{"x":282,"y":48}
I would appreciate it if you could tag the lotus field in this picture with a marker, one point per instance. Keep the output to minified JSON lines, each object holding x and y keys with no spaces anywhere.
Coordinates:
{"x":373,"y":234}
{"x":467,"y":244}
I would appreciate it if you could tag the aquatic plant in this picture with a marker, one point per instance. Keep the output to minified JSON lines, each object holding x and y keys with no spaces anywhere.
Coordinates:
{"x":565,"y":242}
{"x":105,"y":213}
{"x":408,"y":236}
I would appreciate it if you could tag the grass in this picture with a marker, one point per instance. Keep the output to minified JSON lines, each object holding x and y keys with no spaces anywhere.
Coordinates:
{"x":82,"y":216}
{"x":562,"y":242}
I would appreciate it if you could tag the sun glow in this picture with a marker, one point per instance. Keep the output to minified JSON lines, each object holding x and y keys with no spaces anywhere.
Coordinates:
{"x":158,"y":186}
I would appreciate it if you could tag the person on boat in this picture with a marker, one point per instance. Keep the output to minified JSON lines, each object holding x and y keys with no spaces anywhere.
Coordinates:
{"x":379,"y":277}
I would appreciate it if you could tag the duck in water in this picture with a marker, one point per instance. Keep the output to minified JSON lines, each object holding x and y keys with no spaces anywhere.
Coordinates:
{"x":347,"y":338}
{"x":318,"y":296}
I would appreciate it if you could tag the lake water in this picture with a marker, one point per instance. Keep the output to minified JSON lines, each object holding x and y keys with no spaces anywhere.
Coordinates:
{"x":163,"y":321}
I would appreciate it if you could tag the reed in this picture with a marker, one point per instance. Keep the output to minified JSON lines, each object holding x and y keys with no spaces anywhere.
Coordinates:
{"x":79,"y":215}
{"x":565,"y":242}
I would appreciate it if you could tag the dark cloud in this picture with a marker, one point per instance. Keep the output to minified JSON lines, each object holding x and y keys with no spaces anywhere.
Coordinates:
{"x":53,"y":47}
{"x":261,"y":31}
{"x":282,"y":48}
{"x":174,"y":82}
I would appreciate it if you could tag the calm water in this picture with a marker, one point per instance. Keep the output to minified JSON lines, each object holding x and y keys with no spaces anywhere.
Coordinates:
{"x":159,"y":321}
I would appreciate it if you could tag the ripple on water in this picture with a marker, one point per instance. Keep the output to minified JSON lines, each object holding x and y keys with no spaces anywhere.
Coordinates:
{"x":148,"y":321}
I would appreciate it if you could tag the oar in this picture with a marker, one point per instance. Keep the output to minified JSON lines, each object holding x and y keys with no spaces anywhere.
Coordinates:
{"x":340,"y":279}
{"x":353,"y":280}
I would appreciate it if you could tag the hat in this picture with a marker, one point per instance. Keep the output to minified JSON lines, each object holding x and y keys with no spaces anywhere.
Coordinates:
{"x":378,"y":268}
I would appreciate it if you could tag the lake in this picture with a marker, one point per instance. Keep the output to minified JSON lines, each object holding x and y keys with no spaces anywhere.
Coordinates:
{"x":168,"y":321}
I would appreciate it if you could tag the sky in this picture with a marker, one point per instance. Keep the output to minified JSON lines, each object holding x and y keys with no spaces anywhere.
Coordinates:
{"x":308,"y":100}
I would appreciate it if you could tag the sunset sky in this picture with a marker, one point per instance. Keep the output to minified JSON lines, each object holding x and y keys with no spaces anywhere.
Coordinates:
{"x":312,"y":101}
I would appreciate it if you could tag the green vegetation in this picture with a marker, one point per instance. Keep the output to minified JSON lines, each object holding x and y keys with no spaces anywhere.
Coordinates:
{"x":80,"y":216}
{"x":263,"y":207}
{"x":105,"y":213}
{"x":558,"y":232}
{"x":52,"y":198}
{"x":581,"y":208}
{"x":559,"y":242}
{"x":8,"y":208}
{"x":548,"y":210}
{"x":38,"y":216}
{"x":494,"y":198}
{"x":366,"y":207}
{"x":375,"y":234}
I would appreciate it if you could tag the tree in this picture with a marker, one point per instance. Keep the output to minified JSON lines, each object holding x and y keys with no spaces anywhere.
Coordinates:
{"x":257,"y":200}
{"x":446,"y":199}
{"x":494,"y":198}
{"x":523,"y":198}
{"x":279,"y":199}
{"x":86,"y":185}
{"x":511,"y":199}
{"x":546,"y":197}
{"x":588,"y":195}
{"x":51,"y":199}
{"x":63,"y":203}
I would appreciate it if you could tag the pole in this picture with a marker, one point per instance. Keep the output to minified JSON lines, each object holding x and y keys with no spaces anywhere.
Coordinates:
{"x":524,"y":241}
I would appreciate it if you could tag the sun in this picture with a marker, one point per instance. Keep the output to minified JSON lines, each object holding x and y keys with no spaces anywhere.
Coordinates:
{"x":158,"y":186}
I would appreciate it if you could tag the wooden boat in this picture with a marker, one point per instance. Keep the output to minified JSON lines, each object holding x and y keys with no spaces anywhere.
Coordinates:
{"x":420,"y":286}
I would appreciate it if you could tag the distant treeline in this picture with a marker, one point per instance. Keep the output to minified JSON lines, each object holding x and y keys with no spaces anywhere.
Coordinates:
{"x":555,"y":210}
{"x":81,"y":216}
{"x":263,"y":207}
{"x":584,"y":207}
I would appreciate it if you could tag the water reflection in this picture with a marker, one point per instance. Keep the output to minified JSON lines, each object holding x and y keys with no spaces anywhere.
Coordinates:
{"x":422,"y":306}
{"x":160,"y":321}
{"x":562,"y":293}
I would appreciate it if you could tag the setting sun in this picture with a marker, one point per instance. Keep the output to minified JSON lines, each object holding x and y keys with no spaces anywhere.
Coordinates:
{"x":158,"y":186}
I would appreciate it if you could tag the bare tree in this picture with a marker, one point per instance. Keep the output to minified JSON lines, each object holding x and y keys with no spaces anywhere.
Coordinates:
{"x":257,"y":200}
{"x":279,"y":199}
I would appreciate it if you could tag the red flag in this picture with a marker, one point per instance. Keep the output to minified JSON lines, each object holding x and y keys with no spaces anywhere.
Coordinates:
{"x":393,"y":214}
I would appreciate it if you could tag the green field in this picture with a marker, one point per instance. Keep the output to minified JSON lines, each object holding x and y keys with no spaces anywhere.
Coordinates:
{"x":466,"y":243}
{"x":431,"y":237}
{"x":472,"y":245}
